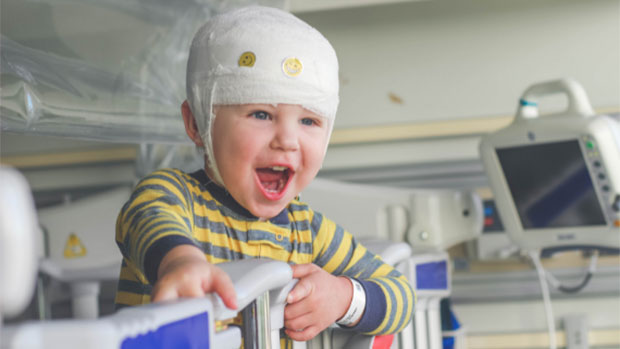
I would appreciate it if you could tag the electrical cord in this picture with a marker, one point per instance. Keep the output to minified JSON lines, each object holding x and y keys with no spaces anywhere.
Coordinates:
{"x":574,"y":289}
{"x":535,"y":257}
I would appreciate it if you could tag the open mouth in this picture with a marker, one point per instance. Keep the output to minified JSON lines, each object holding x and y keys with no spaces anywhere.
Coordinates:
{"x":274,"y":180}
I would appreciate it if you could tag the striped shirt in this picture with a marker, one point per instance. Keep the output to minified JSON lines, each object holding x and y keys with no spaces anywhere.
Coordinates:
{"x":169,"y":208}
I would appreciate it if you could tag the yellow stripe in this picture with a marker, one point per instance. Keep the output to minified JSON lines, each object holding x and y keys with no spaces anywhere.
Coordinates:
{"x":128,"y":298}
{"x":358,"y":253}
{"x":326,"y":234}
{"x":319,"y":244}
{"x":383,"y":270}
{"x":340,"y":254}
{"x":142,"y":237}
{"x":399,"y":305}
{"x":388,"y":303}
{"x":159,"y":236}
{"x":216,"y":217}
{"x":130,"y":274}
{"x":166,"y":184}
{"x":221,"y":240}
{"x":411,"y":300}
{"x":302,"y":216}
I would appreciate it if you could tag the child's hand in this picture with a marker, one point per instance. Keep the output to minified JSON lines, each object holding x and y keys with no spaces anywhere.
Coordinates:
{"x":185,"y":272}
{"x":318,"y":300}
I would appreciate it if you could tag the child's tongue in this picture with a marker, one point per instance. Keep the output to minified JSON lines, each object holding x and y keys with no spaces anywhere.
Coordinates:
{"x":271,"y":180}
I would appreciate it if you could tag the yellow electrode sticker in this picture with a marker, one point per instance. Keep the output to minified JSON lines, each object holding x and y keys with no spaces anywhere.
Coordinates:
{"x":74,"y":247}
{"x":247,"y":59}
{"x":292,"y":66}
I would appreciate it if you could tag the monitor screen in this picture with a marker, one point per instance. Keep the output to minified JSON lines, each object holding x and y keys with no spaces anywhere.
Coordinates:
{"x":550,"y":185}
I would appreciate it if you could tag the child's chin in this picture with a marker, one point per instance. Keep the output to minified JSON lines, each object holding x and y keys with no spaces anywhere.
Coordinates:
{"x":268,"y":211}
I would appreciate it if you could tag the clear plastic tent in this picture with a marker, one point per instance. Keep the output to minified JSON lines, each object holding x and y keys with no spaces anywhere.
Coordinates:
{"x":106,"y":70}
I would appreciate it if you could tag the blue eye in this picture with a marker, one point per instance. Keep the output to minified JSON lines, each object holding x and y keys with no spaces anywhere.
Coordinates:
{"x":308,"y":122}
{"x":261,"y":115}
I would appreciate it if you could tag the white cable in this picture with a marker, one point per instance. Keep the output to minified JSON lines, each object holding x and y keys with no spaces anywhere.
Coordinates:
{"x":534,"y":255}
{"x":593,"y":260}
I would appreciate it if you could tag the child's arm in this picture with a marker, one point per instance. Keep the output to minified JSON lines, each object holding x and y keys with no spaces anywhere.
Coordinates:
{"x":154,"y":234}
{"x":389,"y":296}
{"x":185,"y":272}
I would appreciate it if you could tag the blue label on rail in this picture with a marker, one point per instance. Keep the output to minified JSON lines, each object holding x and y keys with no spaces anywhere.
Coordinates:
{"x":192,"y":332}
{"x":432,"y":276}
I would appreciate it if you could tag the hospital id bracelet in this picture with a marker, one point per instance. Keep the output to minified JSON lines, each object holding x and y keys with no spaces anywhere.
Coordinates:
{"x":358,"y":304}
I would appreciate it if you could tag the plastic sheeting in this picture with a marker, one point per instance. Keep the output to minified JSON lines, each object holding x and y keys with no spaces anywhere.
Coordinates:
{"x":127,"y":87}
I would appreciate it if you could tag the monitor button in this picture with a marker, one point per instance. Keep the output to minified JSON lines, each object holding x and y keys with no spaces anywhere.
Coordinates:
{"x":616,"y":204}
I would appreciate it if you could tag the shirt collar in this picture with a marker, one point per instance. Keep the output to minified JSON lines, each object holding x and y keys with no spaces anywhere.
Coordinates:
{"x":223,"y":196}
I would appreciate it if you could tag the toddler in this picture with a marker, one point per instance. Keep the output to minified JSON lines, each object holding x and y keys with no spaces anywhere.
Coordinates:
{"x":262,"y":94}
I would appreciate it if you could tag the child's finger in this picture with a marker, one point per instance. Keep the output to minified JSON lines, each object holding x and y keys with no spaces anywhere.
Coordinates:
{"x":299,"y":322}
{"x":300,"y":291}
{"x":292,"y":311}
{"x":164,"y":294}
{"x":303,"y":335}
{"x":302,"y":270}
{"x":223,"y":286}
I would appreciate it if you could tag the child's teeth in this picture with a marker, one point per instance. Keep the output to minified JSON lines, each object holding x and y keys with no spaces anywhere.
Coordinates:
{"x":278,"y":168}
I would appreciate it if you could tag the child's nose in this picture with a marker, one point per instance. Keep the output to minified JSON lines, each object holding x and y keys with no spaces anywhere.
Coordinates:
{"x":286,"y":137}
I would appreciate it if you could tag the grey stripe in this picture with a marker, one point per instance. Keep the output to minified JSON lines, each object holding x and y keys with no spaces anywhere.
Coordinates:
{"x":346,"y":259}
{"x":373,"y":265}
{"x":205,"y":222}
{"x":317,"y":220}
{"x":223,"y":210}
{"x":295,"y":207}
{"x":210,"y":204}
{"x":170,"y":199}
{"x":221,"y":228}
{"x":188,"y":198}
{"x":393,"y":299}
{"x":146,"y":227}
{"x":302,"y":247}
{"x":223,"y":252}
{"x":174,"y":180}
{"x":152,"y":236}
{"x":395,"y":274}
{"x":364,"y":267}
{"x":151,"y":215}
{"x":405,"y":303}
{"x":302,"y":225}
{"x":253,"y":234}
{"x":133,"y":287}
{"x":332,"y":248}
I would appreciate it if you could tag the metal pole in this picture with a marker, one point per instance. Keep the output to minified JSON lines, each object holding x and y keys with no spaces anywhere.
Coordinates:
{"x":256,"y":324}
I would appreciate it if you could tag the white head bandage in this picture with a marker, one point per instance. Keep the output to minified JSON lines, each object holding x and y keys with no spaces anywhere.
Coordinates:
{"x":259,"y":55}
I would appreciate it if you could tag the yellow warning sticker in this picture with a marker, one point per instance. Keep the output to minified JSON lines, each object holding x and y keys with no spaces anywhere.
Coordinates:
{"x":74,"y":247}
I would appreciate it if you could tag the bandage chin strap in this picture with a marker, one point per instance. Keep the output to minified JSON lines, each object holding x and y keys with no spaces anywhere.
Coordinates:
{"x":207,"y":138}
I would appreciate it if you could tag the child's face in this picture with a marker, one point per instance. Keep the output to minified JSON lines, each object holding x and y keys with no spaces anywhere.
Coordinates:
{"x":267,"y":154}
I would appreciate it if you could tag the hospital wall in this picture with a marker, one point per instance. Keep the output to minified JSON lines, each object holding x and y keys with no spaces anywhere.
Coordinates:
{"x":413,"y":65}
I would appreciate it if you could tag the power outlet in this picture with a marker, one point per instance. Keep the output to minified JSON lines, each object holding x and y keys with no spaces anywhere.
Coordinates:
{"x":576,"y":330}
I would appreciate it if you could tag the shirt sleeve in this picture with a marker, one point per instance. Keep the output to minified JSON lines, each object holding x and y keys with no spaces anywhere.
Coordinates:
{"x":157,"y":218}
{"x":389,"y":296}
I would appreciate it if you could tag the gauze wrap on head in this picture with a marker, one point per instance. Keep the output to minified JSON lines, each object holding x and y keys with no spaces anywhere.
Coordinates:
{"x":259,"y":55}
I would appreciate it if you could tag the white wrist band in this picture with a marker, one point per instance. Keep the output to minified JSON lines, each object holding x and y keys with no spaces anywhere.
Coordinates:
{"x":358,"y":304}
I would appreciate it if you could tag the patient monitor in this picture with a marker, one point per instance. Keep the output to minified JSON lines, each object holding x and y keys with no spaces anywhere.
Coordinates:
{"x":556,"y":177}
